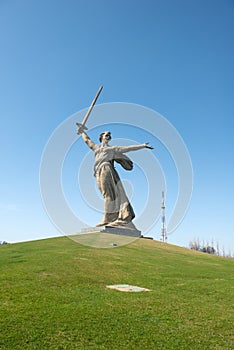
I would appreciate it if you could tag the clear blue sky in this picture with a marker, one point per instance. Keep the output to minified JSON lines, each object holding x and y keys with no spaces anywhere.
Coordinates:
{"x":175,"y":57}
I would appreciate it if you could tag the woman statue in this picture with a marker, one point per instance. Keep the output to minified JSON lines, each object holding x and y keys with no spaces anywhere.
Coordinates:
{"x":117,"y":209}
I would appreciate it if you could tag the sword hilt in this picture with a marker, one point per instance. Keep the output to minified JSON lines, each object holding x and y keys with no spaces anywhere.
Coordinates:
{"x":81,"y":128}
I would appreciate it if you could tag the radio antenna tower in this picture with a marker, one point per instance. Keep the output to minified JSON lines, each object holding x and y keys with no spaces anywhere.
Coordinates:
{"x":163,"y":230}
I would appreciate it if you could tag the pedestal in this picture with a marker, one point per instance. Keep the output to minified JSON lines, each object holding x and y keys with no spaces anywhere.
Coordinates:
{"x":126,"y":230}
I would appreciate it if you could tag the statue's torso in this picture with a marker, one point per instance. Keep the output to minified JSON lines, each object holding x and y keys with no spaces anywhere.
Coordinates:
{"x":103,"y":154}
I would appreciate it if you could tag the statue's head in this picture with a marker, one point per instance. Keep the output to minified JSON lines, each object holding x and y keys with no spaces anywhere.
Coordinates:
{"x":105,"y":136}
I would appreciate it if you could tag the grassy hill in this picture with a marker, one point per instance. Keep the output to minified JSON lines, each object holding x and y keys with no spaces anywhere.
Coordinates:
{"x":53,"y":296}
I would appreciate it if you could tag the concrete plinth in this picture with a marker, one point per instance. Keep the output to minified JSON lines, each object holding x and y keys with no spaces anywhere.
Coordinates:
{"x":117,"y":230}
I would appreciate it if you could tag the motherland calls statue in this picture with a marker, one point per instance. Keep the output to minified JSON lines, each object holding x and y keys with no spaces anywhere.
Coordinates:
{"x":117,"y":208}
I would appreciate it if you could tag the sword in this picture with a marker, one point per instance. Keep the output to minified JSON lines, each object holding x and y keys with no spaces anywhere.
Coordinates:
{"x":82,"y":126}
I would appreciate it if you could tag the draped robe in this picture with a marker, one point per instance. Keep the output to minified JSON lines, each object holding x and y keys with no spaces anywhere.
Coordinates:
{"x":117,"y":207}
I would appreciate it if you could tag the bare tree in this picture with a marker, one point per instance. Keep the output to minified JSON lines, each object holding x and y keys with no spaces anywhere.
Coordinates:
{"x":205,"y":248}
{"x":194,"y":244}
{"x":213,"y":248}
{"x":223,"y":251}
{"x":217,"y":248}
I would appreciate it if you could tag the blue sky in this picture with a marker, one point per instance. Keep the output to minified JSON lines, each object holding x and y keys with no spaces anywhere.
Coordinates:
{"x":175,"y":57}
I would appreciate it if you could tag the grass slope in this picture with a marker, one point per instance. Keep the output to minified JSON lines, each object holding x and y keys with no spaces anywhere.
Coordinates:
{"x":53,"y":296}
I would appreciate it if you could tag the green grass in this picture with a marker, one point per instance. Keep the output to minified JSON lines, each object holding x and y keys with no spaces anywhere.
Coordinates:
{"x":53,"y":295}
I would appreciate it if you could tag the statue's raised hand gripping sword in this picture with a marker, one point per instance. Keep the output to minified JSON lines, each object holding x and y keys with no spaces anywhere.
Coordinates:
{"x":82,"y":126}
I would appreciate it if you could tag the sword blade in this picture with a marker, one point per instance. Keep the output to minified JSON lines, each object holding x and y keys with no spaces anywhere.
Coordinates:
{"x":81,"y":126}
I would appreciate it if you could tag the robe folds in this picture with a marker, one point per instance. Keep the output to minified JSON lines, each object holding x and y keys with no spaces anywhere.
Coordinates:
{"x":117,"y":208}
{"x":116,"y":202}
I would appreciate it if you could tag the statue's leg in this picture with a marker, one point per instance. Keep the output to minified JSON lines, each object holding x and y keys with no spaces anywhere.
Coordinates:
{"x":109,"y":212}
{"x":107,"y":187}
{"x":125,"y":213}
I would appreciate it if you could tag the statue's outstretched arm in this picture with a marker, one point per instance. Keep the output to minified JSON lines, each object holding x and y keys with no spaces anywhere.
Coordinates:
{"x":89,"y":142}
{"x":125,"y":149}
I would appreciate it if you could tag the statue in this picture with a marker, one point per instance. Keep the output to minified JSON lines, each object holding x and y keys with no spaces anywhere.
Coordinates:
{"x":117,"y":208}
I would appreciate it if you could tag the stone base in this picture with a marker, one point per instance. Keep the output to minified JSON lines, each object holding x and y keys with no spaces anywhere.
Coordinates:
{"x":126,"y":230}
